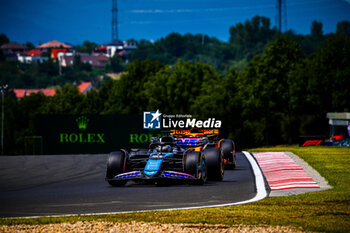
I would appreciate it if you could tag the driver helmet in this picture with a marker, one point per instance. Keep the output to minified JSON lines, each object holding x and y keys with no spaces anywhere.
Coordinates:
{"x":166,"y":148}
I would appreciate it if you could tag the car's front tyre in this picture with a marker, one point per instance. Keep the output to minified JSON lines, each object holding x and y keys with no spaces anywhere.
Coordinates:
{"x":196,"y":166}
{"x":116,"y":165}
{"x":215,"y":163}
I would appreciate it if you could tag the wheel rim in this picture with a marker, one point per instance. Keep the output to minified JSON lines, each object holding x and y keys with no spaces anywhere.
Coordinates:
{"x":199,"y":170}
{"x":221,"y":166}
{"x":202,"y":170}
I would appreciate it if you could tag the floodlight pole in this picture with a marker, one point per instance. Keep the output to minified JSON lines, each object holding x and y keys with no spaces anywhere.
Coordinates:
{"x":2,"y":89}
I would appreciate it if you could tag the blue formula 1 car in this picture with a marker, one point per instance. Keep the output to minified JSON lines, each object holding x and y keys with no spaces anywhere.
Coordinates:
{"x":164,"y":160}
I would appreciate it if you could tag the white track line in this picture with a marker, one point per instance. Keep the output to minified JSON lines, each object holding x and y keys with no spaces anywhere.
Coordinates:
{"x":260,"y":194}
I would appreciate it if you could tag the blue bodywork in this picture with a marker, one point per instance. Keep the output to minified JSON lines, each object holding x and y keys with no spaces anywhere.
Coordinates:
{"x":153,"y":170}
{"x":152,"y":167}
{"x":154,"y":163}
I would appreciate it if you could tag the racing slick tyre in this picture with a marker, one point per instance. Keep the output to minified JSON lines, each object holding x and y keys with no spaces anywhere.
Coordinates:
{"x":115,"y":166}
{"x":215,"y":163}
{"x":195,"y":165}
{"x":228,"y":148}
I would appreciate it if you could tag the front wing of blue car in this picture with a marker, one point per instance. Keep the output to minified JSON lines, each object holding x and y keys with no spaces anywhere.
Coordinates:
{"x":141,"y":175}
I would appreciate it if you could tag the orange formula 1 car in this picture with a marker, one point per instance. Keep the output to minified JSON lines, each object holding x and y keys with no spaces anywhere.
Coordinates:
{"x":200,"y":139}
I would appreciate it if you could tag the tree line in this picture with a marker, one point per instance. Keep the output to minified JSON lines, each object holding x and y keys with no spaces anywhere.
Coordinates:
{"x":280,"y":94}
{"x":246,"y":40}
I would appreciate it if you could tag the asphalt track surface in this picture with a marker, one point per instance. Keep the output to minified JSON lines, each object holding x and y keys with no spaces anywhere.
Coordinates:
{"x":74,"y":184}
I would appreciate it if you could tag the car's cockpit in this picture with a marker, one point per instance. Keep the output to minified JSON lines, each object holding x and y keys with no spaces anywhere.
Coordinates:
{"x":165,"y":144}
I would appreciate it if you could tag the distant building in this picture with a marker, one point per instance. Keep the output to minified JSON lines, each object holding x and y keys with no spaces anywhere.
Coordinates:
{"x":13,"y":48}
{"x":95,"y":60}
{"x":102,"y":49}
{"x":20,"y":93}
{"x":34,"y":52}
{"x":114,"y":47}
{"x":130,"y":45}
{"x":53,"y":44}
{"x":10,"y":50}
{"x":31,"y":59}
{"x":55,"y":47}
{"x":62,"y":58}
{"x":85,"y":87}
{"x":32,"y":56}
{"x":54,"y":52}
{"x":117,"y":46}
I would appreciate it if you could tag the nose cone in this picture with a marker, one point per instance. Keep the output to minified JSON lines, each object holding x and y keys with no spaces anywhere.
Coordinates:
{"x":152,"y":167}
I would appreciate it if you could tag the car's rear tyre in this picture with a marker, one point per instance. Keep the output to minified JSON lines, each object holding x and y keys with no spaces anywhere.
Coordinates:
{"x":116,"y":165}
{"x":228,"y":148}
{"x":215,"y":163}
{"x":196,"y":166}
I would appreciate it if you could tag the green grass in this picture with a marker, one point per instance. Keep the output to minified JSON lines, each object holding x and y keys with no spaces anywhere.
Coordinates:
{"x":324,"y":211}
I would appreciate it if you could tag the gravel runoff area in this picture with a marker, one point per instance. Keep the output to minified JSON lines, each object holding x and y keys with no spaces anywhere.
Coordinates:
{"x":96,"y":226}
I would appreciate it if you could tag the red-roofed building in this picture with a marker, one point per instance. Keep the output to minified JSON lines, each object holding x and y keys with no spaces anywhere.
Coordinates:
{"x":54,"y":44}
{"x":48,"y":92}
{"x":32,"y":56}
{"x":34,"y":52}
{"x":101,"y":49}
{"x":85,"y":87}
{"x":55,"y":47}
{"x":54,"y":52}
{"x":20,"y":93}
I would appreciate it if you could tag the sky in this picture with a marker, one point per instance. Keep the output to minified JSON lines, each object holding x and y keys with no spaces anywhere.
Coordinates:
{"x":74,"y":21}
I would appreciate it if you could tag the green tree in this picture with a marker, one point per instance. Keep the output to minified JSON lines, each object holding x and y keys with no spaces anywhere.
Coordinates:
{"x":316,"y":29}
{"x":87,"y":47}
{"x":212,"y":99}
{"x":92,"y":103}
{"x":265,"y":87}
{"x":325,"y":89}
{"x":191,"y":48}
{"x":328,"y":73}
{"x":20,"y":120}
{"x":343,"y":28}
{"x":12,"y":128}
{"x":219,"y":98}
{"x":67,"y":100}
{"x":127,"y":94}
{"x":4,"y":39}
{"x":48,"y":67}
{"x":116,"y":64}
{"x":252,"y":36}
{"x":174,"y":43}
{"x":30,"y":45}
{"x":175,"y":89}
